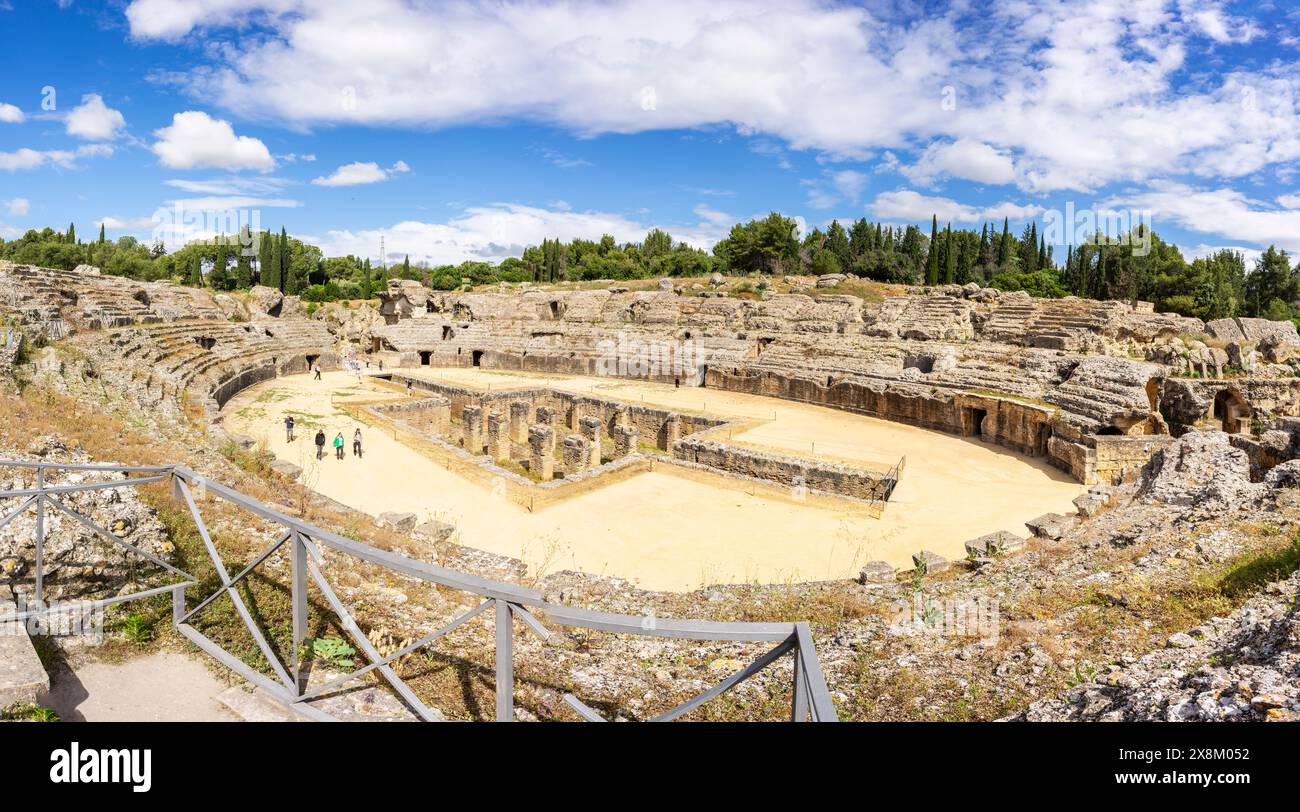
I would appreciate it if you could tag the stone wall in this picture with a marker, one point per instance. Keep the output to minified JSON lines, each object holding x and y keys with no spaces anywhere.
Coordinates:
{"x":1118,"y":460}
{"x":793,"y":472}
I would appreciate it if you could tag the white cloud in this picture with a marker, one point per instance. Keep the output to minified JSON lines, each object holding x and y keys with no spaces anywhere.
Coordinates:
{"x":964,"y":158}
{"x":836,"y":187}
{"x":358,"y":173}
{"x":1073,"y":95}
{"x":26,"y":158}
{"x":1251,"y":255}
{"x":126,"y":223}
{"x":94,"y":120}
{"x":195,"y":140}
{"x":1289,"y":201}
{"x":18,"y":206}
{"x":10,"y":114}
{"x":1216,"y":211}
{"x":502,"y":230}
{"x":909,"y":206}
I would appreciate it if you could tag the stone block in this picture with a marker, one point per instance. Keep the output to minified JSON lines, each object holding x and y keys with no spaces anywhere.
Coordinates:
{"x":1050,"y":526}
{"x":931,"y":561}
{"x":876,"y":573}
{"x":401,"y":522}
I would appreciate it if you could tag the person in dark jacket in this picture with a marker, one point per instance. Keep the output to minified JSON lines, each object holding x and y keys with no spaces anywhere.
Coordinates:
{"x":320,"y":443}
{"x":288,"y":428}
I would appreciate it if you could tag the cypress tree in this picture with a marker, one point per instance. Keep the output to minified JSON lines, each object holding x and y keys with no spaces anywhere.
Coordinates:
{"x":932,"y":259}
{"x":286,"y":260}
{"x":101,"y":233}
{"x":1004,"y":245}
{"x":949,"y":257}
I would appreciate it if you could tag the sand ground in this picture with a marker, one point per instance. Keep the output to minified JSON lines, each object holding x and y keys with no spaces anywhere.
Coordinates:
{"x":661,"y":530}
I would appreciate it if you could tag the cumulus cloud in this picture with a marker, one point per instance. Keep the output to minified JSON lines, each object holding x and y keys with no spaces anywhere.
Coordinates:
{"x":976,"y":89}
{"x":911,"y":206}
{"x":94,"y":120}
{"x":844,"y":186}
{"x":1216,"y":211}
{"x":502,"y":230}
{"x":196,"y":140}
{"x":26,"y":158}
{"x":18,"y":206}
{"x":965,"y":159}
{"x":358,"y":173}
{"x":9,"y":114}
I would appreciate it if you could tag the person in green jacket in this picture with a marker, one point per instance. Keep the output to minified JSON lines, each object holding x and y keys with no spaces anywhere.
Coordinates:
{"x":338,"y":445}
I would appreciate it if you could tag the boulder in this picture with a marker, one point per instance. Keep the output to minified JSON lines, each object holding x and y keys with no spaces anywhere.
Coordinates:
{"x":665,"y":284}
{"x":1091,"y":503}
{"x":717,"y":280}
{"x":830,"y":280}
{"x":401,"y":522}
{"x":264,"y":301}
{"x":1201,"y":468}
{"x":1286,"y":475}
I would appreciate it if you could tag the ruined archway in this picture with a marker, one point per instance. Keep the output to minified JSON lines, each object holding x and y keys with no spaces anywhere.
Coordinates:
{"x":1232,"y":411}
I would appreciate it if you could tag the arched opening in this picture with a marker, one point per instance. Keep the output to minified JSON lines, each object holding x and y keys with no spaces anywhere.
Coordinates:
{"x":478,"y":358}
{"x":1232,"y":411}
{"x":1111,"y":431}
{"x":447,"y":332}
{"x":424,"y":357}
{"x":975,"y":421}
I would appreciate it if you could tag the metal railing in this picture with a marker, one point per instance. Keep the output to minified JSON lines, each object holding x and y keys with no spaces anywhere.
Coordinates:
{"x":508,"y":602}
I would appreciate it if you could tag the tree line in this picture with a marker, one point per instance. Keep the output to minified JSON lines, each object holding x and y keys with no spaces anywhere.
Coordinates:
{"x":1216,"y":286}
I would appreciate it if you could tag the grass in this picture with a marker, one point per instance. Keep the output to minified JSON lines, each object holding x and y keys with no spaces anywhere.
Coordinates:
{"x":27,"y":712}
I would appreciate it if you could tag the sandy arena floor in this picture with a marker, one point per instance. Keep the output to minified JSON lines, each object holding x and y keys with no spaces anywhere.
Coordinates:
{"x":660,"y":530}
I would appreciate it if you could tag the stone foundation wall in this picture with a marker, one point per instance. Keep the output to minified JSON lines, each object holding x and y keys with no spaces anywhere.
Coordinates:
{"x":793,"y":472}
{"x":1118,"y":460}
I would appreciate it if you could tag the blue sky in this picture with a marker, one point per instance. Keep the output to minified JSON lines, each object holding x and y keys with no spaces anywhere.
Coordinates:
{"x":461,"y":131}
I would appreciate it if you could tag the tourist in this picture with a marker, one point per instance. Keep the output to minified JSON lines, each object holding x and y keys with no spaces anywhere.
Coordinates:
{"x":408,"y":388}
{"x":317,"y":369}
{"x":338,"y":446}
{"x":288,"y":428}
{"x":381,"y":365}
{"x":320,"y":443}
{"x":356,"y":443}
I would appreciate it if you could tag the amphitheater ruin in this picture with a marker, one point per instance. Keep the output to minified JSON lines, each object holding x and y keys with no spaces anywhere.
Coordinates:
{"x":684,"y":448}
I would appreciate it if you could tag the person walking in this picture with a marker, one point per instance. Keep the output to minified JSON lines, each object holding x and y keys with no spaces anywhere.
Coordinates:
{"x":288,"y":428}
{"x":338,"y":446}
{"x":317,"y":368}
{"x":356,"y":443}
{"x":320,"y":443}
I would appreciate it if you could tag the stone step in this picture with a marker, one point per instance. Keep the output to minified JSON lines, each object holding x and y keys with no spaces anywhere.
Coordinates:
{"x":22,"y":677}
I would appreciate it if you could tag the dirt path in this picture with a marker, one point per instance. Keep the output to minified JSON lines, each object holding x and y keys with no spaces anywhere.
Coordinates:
{"x":664,"y":531}
{"x":164,"y":686}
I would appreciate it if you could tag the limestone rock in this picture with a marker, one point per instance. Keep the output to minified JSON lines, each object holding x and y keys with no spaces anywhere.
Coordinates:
{"x":1201,"y":468}
{"x":264,"y":301}
{"x":286,"y":469}
{"x":931,"y":562}
{"x":1050,"y":526}
{"x":401,"y":522}
{"x":717,"y":280}
{"x":877,"y":572}
{"x":434,"y":531}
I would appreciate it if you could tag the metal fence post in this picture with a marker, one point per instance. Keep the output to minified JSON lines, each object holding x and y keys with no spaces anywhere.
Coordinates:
{"x":298,"y":590}
{"x":799,"y":711}
{"x":40,"y":537}
{"x":505,"y":663}
{"x":178,"y":604}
